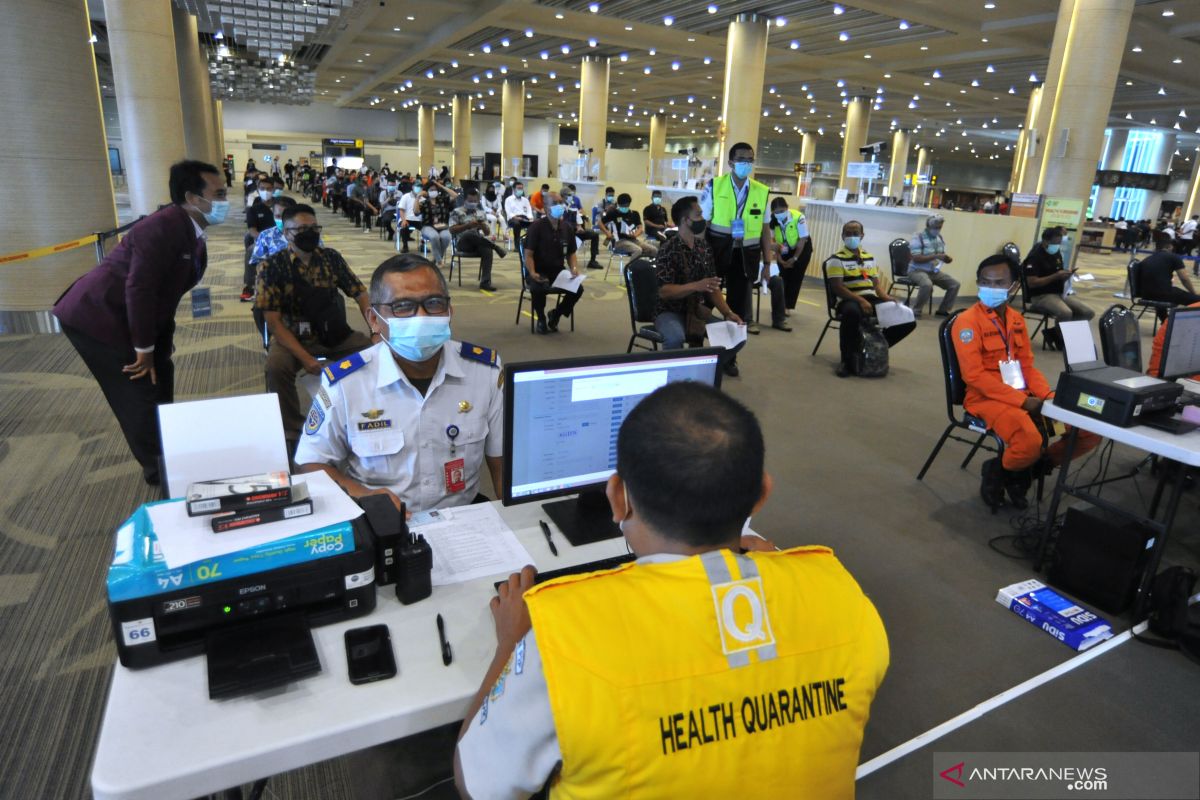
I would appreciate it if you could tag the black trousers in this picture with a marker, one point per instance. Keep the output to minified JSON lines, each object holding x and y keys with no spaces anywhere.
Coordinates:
{"x":738,"y":266}
{"x":518,"y":228}
{"x":406,"y":233}
{"x":476,"y":245}
{"x":134,"y":403}
{"x":538,"y":292}
{"x":850,"y":331}
{"x":1176,"y":295}
{"x":793,"y":278}
{"x":593,"y":237}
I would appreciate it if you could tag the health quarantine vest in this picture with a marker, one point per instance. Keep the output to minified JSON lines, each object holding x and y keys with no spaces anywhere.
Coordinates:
{"x":717,"y":675}
{"x":725,"y":207}
{"x":790,"y":233}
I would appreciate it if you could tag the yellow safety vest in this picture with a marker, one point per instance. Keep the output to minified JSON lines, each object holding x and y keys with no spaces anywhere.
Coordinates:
{"x":725,"y":207}
{"x":789,"y":233}
{"x":717,"y":675}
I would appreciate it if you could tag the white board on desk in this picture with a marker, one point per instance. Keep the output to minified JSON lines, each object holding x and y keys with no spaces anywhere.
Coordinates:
{"x":222,"y":437}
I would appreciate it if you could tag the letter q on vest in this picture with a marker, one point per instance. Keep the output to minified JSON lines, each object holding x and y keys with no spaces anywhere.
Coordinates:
{"x":742,"y":618}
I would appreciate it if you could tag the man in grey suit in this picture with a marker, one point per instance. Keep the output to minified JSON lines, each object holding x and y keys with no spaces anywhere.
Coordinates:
{"x":124,"y":308}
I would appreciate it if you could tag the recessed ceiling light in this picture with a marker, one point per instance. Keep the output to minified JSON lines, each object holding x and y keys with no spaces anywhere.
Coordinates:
{"x":1129,"y":83}
{"x":887,"y":74}
{"x":937,"y":73}
{"x":558,"y":16}
{"x":838,"y":9}
{"x":411,"y":18}
{"x":1177,"y":60}
{"x":712,"y":9}
{"x":989,"y":6}
{"x":592,"y":42}
{"x":1167,"y":12}
{"x":1033,"y":78}
{"x":396,"y":29}
{"x":1136,"y":49}
{"x":903,"y":25}
{"x":628,"y":27}
{"x":990,"y":68}
{"x":843,"y":37}
{"x":984,"y":40}
{"x":1161,"y":90}
{"x":529,"y":33}
{"x":924,"y":47}
{"x":594,"y":7}
{"x":780,"y":22}
{"x":866,"y":55}
{"x":668,"y":21}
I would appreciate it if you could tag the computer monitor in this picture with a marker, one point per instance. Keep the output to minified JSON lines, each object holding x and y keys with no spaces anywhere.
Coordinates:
{"x":1181,"y":344}
{"x":561,"y":420}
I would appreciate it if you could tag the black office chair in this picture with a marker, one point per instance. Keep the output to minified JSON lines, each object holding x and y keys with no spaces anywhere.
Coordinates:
{"x":521,"y":300}
{"x":456,"y":260}
{"x":956,"y":391}
{"x":1137,"y":301}
{"x":641,"y":288}
{"x":901,"y":258}
{"x":830,"y":307}
{"x":1120,"y":338}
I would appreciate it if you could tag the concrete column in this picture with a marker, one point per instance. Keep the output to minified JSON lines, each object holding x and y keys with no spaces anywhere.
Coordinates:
{"x":808,"y":152}
{"x":593,"y":110}
{"x":218,"y":119}
{"x":1160,"y":166}
{"x":194,"y":95}
{"x":512,"y":126}
{"x":424,"y":138}
{"x":658,"y":148}
{"x":1039,"y":127}
{"x":1017,"y":179}
{"x":1192,"y":204}
{"x":146,"y":78}
{"x":895,"y":184}
{"x":552,"y":154}
{"x":921,"y":195}
{"x":858,"y":117}
{"x":460,"y":111}
{"x":1116,"y":152}
{"x":745,"y":65}
{"x":53,"y":126}
{"x":1087,"y":79}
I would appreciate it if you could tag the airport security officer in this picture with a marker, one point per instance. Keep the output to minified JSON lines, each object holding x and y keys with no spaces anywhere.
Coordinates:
{"x":1004,"y":388}
{"x":697,"y":671}
{"x":416,"y":416}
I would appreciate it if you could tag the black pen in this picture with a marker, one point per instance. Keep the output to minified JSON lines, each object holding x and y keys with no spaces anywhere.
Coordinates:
{"x":546,"y":531}
{"x":447,"y":654}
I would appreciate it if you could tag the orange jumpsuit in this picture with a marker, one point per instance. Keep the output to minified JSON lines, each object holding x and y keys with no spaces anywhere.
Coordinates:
{"x":980,"y":341}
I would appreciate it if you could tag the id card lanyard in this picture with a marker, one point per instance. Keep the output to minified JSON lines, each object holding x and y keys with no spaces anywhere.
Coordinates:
{"x":1010,"y":368}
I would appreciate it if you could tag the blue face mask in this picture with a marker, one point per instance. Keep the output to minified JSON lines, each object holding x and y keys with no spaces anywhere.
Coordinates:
{"x":783,"y":217}
{"x":277,"y":193}
{"x":217,"y":214}
{"x":557,"y":211}
{"x":993,"y":297}
{"x":623,"y":209}
{"x":417,"y":338}
{"x":279,"y":224}
{"x":656,"y":200}
{"x":852,"y":242}
{"x":1053,"y":249}
{"x":742,"y":170}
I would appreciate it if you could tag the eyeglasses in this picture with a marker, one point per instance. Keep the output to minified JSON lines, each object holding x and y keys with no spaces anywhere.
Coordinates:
{"x":435,"y":305}
{"x":303,"y":228}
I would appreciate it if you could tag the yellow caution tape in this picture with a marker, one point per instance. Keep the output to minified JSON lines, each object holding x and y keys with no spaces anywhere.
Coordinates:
{"x":50,"y":250}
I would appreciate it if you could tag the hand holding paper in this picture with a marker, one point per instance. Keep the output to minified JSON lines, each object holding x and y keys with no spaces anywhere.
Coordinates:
{"x":725,"y":334}
{"x":567,"y":282}
{"x":893,"y":313}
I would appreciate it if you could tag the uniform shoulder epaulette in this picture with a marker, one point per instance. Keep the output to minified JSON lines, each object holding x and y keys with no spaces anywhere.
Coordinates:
{"x":339,"y":369}
{"x":484,"y":355}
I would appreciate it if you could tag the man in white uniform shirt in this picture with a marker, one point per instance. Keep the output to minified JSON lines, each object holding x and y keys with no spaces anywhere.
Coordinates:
{"x":417,"y":416}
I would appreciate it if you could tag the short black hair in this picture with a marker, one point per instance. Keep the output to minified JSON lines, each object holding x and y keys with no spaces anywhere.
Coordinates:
{"x":471,"y":191}
{"x":405,"y":262}
{"x":1050,"y":233}
{"x":1014,"y":269}
{"x":278,"y":180}
{"x":286,"y":202}
{"x":657,"y":192}
{"x":188,"y":176}
{"x":262,"y":176}
{"x":681,"y":207}
{"x":740,"y":146}
{"x":571,"y":186}
{"x":850,"y":222}
{"x":624,"y":199}
{"x":778,"y":202}
{"x":545,"y":187}
{"x":294,"y":211}
{"x":692,"y":462}
{"x":519,"y":183}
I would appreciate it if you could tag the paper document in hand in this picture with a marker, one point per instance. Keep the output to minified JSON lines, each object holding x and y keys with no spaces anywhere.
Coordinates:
{"x":892,"y":313}
{"x":725,"y":334}
{"x":186,"y":540}
{"x":566,"y":281}
{"x":470,"y":542}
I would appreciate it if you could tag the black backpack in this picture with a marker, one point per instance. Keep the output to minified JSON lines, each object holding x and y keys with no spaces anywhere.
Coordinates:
{"x":1170,"y":616}
{"x":872,"y":357}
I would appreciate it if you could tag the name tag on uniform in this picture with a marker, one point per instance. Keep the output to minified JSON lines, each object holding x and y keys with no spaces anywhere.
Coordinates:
{"x":455,"y":475}
{"x":201,"y":302}
{"x":739,"y":228}
{"x":1010,"y":373}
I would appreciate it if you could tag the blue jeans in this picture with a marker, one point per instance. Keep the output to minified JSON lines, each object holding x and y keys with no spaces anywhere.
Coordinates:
{"x":674,"y":331}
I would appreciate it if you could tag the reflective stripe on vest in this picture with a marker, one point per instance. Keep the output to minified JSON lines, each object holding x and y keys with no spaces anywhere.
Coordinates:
{"x":678,"y":679}
{"x":725,"y":207}
{"x":791,"y":232}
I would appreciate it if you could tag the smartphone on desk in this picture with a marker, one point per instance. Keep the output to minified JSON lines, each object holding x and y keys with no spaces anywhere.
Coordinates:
{"x":369,"y":655}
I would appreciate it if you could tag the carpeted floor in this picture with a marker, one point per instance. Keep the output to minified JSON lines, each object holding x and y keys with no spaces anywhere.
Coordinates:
{"x":844,"y":454}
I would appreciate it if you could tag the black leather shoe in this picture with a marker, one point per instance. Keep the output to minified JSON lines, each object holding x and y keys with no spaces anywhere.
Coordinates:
{"x":731,"y":369}
{"x":595,"y":265}
{"x":487,"y":287}
{"x":991,"y":487}
{"x":842,"y":370}
{"x":541,"y":326}
{"x":552,"y":319}
{"x":500,"y":251}
{"x":1016,"y":485}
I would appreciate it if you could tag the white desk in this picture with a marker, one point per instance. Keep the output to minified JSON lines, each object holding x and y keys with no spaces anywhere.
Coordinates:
{"x":1183,"y":448}
{"x":163,"y":738}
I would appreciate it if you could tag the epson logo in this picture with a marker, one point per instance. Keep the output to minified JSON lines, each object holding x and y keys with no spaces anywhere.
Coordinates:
{"x":261,"y":587}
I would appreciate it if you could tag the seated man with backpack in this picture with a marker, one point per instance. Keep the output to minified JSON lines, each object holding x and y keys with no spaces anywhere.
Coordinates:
{"x":855,"y":284}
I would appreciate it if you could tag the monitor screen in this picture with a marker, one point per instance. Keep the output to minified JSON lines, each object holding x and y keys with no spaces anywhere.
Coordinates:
{"x":1181,"y":345}
{"x":562,"y":417}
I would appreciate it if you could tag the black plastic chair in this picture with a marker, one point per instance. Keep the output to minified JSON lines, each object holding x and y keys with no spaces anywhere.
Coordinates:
{"x":641,"y":289}
{"x":959,"y":418}
{"x":901,"y":258}
{"x":456,"y":260}
{"x":521,"y":299}
{"x":1137,"y":301}
{"x":1044,"y":319}
{"x":1120,"y":338}
{"x":830,"y":307}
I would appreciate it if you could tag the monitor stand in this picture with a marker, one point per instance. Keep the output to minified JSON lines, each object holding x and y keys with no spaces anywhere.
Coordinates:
{"x":584,"y":519}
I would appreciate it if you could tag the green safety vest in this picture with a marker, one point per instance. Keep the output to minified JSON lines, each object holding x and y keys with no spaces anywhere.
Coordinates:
{"x":790,"y":232}
{"x":725,"y":207}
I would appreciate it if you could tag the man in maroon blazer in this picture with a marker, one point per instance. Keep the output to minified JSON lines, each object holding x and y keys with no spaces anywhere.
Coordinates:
{"x":124,"y":308}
